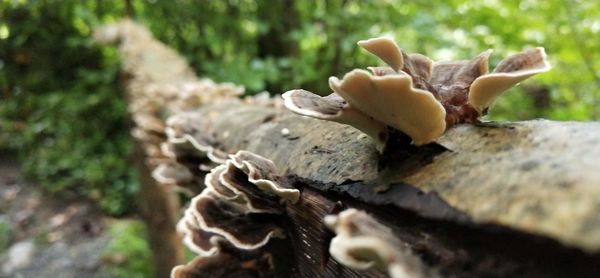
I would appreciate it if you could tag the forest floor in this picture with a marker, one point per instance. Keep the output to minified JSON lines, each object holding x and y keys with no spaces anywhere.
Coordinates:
{"x":46,"y":236}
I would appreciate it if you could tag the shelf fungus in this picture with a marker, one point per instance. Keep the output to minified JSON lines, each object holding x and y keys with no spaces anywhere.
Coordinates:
{"x":415,"y":95}
{"x":362,"y":243}
{"x":173,"y":173}
{"x":182,"y":131}
{"x":233,"y":221}
{"x":261,"y":173}
{"x":240,"y":209}
{"x":226,"y":264}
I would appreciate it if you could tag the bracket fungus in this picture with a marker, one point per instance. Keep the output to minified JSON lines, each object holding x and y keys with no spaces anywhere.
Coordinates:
{"x":334,"y":108}
{"x":362,"y":243}
{"x":172,"y":173}
{"x":233,"y":221}
{"x":227,"y":264}
{"x":179,"y":131}
{"x":239,"y":209}
{"x":261,"y":172}
{"x":415,"y":95}
{"x":250,"y":179}
{"x":199,"y":241}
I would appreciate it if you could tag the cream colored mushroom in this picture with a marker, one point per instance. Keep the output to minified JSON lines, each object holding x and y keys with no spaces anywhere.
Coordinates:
{"x":386,"y":49}
{"x":172,"y":173}
{"x":335,"y":108}
{"x":392,"y":100}
{"x":363,"y":243}
{"x":417,"y":65}
{"x":414,"y":95}
{"x":508,"y":73}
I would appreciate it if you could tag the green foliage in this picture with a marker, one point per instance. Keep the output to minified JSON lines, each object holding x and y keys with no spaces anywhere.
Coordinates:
{"x":60,"y":104}
{"x":127,"y":254}
{"x":279,"y":45}
{"x":5,"y":234}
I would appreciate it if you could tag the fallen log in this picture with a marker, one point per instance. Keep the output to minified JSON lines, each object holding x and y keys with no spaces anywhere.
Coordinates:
{"x":499,"y":199}
{"x":511,"y":199}
{"x":157,"y":82}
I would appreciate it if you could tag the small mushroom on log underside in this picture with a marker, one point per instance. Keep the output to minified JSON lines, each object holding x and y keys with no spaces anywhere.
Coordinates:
{"x":363,"y":243}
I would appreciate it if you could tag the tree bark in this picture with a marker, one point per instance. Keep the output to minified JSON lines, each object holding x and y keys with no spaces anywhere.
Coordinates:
{"x":148,"y":62}
{"x":511,"y":199}
{"x":514,"y":199}
{"x":160,"y":211}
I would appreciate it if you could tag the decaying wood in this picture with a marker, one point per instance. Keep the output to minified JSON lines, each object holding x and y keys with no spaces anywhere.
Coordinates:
{"x":510,"y":199}
{"x":516,"y":199}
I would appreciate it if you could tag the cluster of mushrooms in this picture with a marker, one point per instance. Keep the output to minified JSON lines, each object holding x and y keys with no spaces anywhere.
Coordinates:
{"x":243,"y":200}
{"x":413,"y":94}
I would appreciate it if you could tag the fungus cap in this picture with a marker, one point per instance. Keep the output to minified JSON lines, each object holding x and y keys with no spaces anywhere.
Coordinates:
{"x":508,"y":72}
{"x":232,"y":221}
{"x":386,"y":49}
{"x":262,"y":173}
{"x":361,"y":243}
{"x":392,"y":100}
{"x":172,"y":173}
{"x":227,"y":263}
{"x":334,"y":108}
{"x":197,"y":240}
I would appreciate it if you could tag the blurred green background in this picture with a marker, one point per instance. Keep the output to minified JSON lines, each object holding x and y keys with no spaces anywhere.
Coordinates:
{"x":61,"y":106}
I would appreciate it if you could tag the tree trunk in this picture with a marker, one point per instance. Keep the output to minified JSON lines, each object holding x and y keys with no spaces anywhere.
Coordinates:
{"x":160,"y":208}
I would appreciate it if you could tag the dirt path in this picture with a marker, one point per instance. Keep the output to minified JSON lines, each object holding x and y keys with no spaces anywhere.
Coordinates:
{"x":43,"y":236}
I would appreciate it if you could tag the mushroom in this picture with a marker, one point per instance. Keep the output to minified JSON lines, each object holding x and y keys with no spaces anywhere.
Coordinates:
{"x":212,"y":181}
{"x":227,"y":264}
{"x":508,"y":73}
{"x":250,"y":180}
{"x":362,"y":243}
{"x":386,"y":49}
{"x":172,"y":173}
{"x":261,"y":172}
{"x":334,"y":108}
{"x":392,"y":100}
{"x":239,"y":206}
{"x":416,"y":65}
{"x":233,"y":221}
{"x":197,"y":240}
{"x":182,"y":130}
{"x":415,"y":95}
{"x":169,"y":150}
